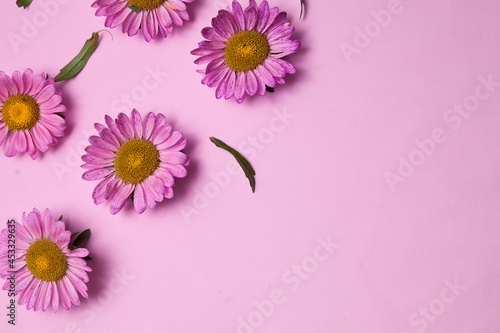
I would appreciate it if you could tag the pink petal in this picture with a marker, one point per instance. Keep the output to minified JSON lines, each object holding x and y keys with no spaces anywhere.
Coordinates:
{"x":120,"y":197}
{"x":250,"y":17}
{"x":98,"y":142}
{"x":135,"y":24}
{"x":149,"y":124}
{"x":238,"y":15}
{"x":22,"y":233}
{"x":63,"y":295}
{"x":41,"y":137}
{"x":239,"y":89}
{"x":125,"y":125}
{"x":265,"y":76}
{"x":18,"y":81}
{"x":47,"y":296}
{"x":78,"y":284}
{"x":231,"y":83}
{"x":161,"y":134}
{"x":164,"y":21}
{"x":10,"y":147}
{"x":81,"y":274}
{"x":137,"y":123}
{"x":109,"y":137}
{"x":173,"y":139}
{"x":251,"y":83}
{"x":181,"y":144}
{"x":169,"y":192}
{"x":46,"y":93}
{"x":174,"y":158}
{"x":42,"y":295}
{"x":100,"y":190}
{"x":114,"y":128}
{"x":99,"y":152}
{"x":38,"y":83}
{"x":8,"y":84}
{"x":139,"y":200}
{"x":79,"y":263}
{"x":55,"y":295}
{"x":160,"y":120}
{"x":174,"y":15}
{"x":32,"y":225}
{"x":73,"y":295}
{"x":176,"y":170}
{"x":46,"y":222}
{"x":210,"y":34}
{"x":26,"y":293}
{"x":31,"y":149}
{"x":221,"y":88}
{"x":263,"y":15}
{"x":63,"y":240}
{"x":97,"y":174}
{"x":34,"y":297}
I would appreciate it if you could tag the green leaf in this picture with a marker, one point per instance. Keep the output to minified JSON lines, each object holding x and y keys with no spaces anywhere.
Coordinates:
{"x":301,"y":9}
{"x":134,"y":8}
{"x":87,"y":258}
{"x":60,"y":218}
{"x":73,"y":235}
{"x":81,"y":237}
{"x":243,"y":162}
{"x":23,"y":3}
{"x":76,"y":65}
{"x":269,"y":89}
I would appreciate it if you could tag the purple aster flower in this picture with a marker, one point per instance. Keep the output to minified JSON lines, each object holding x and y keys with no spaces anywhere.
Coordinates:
{"x":150,"y":16}
{"x":46,"y":270}
{"x":135,"y":158}
{"x":30,"y":113}
{"x":244,"y":50}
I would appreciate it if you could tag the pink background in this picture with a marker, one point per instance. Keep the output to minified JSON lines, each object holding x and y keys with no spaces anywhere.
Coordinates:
{"x":415,"y":248}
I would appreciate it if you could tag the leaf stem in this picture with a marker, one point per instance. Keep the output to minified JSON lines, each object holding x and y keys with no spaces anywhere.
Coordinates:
{"x":242,"y":161}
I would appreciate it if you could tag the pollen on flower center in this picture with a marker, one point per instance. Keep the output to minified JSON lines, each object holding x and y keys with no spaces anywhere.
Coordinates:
{"x":146,"y":4}
{"x":20,"y":112}
{"x":136,"y":160}
{"x":45,"y":260}
{"x":246,"y":50}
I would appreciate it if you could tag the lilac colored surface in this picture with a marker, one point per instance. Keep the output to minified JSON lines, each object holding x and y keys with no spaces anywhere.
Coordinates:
{"x":419,"y":256}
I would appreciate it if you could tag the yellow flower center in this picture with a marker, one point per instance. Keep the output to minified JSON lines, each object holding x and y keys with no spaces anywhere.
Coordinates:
{"x":136,"y":160}
{"x":45,"y":260}
{"x":245,"y":50}
{"x":146,"y":4}
{"x":20,"y":112}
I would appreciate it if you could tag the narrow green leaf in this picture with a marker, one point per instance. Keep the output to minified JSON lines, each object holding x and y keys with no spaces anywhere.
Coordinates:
{"x":60,"y":218}
{"x":81,"y":237}
{"x":76,"y":65}
{"x":87,"y":258}
{"x":23,"y":3}
{"x":301,"y":9}
{"x":134,"y":8}
{"x":243,"y":162}
{"x":73,"y":235}
{"x":269,"y":89}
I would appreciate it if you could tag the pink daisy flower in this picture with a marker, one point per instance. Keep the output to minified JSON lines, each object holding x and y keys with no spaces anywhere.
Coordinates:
{"x":30,"y":113}
{"x":244,"y":50}
{"x":150,"y":16}
{"x":135,"y":158}
{"x":46,"y":270}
